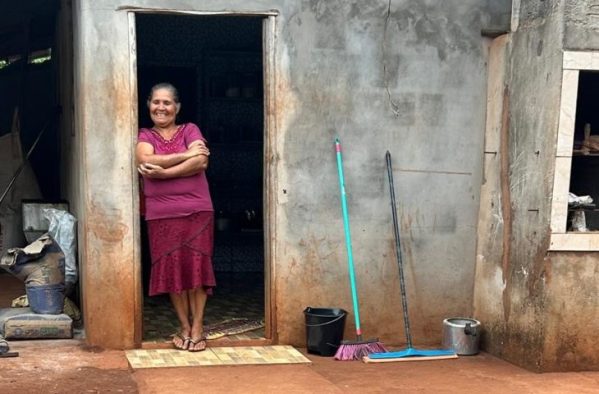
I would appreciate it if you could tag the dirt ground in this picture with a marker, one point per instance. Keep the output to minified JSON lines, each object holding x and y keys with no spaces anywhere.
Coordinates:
{"x":70,"y":367}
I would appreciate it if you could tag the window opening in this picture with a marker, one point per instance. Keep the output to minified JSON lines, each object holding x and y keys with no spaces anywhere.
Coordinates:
{"x":36,"y":57}
{"x":583,"y":201}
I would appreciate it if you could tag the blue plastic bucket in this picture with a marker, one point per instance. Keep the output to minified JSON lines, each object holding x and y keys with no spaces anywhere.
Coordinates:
{"x":46,"y":299}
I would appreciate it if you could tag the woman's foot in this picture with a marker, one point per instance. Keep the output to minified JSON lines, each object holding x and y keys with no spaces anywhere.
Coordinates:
{"x":181,"y":341}
{"x":197,"y":344}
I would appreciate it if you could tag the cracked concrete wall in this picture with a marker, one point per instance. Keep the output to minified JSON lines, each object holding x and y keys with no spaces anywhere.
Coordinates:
{"x":405,"y":76}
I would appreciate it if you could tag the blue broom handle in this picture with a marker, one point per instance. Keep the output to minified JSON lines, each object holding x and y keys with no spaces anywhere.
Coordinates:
{"x":350,"y":257}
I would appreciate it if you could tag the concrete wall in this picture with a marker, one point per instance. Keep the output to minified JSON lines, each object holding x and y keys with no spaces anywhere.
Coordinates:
{"x":406,"y":76}
{"x":581,"y":25}
{"x":515,"y":205}
{"x":432,"y":124}
{"x":571,"y":335}
{"x":108,"y":234}
{"x":537,"y":307}
{"x":572,"y":307}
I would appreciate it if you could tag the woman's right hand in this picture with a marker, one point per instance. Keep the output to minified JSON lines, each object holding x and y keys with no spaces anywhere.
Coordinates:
{"x":150,"y":170}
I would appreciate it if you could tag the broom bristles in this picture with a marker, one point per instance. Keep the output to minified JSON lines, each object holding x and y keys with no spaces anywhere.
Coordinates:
{"x":355,"y":351}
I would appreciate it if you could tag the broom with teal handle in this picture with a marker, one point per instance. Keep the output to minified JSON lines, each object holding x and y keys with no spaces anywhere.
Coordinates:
{"x":352,"y":350}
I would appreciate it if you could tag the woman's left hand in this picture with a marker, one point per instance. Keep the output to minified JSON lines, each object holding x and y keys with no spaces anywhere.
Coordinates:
{"x":150,"y":170}
{"x":198,"y":147}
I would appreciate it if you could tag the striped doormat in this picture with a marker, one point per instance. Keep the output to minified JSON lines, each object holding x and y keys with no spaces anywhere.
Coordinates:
{"x":215,"y":356}
{"x":231,"y":327}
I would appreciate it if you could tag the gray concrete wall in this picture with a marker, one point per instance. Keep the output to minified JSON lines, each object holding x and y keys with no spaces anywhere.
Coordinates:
{"x":581,"y":25}
{"x":108,"y":212}
{"x":510,"y":284}
{"x":571,"y":335}
{"x":536,"y":306}
{"x":431,"y":122}
{"x":406,"y":76}
{"x":572,"y":307}
{"x":498,"y":17}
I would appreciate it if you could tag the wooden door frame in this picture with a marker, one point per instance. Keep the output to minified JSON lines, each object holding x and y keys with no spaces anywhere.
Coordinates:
{"x":269,"y":163}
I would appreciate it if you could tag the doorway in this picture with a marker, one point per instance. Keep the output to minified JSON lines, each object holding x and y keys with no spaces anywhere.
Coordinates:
{"x":216,"y":63}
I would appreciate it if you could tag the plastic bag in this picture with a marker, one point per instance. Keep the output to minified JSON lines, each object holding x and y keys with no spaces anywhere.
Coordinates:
{"x":63,"y":229}
{"x":41,"y":265}
{"x":579,"y":222}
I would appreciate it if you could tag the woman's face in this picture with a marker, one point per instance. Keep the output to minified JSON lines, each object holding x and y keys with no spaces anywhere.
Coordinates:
{"x":163,"y":108}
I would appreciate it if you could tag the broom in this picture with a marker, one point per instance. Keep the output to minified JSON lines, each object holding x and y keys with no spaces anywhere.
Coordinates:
{"x":352,"y":350}
{"x":410,"y":353}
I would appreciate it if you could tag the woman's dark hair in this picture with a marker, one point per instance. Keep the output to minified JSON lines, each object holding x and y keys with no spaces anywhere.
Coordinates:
{"x":167,"y":86}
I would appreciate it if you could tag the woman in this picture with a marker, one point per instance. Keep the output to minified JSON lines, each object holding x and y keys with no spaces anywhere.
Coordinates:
{"x":172,"y":159}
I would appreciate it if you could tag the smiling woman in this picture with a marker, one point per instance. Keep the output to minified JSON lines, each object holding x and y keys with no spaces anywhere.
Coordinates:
{"x":164,"y":106}
{"x":172,"y":159}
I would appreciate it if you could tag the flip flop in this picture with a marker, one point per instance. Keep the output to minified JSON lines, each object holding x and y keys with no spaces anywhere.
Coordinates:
{"x":198,"y":341}
{"x":186,"y":340}
{"x":4,"y":347}
{"x":4,"y":350}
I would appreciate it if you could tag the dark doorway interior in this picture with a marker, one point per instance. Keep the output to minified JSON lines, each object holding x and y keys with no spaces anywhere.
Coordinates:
{"x":28,"y":77}
{"x":216,"y":63}
{"x":28,"y":81}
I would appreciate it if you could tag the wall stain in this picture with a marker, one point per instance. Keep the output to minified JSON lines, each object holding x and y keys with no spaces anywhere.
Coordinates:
{"x":506,"y":203}
{"x":425,"y":26}
{"x":107,"y":227}
{"x":520,"y":345}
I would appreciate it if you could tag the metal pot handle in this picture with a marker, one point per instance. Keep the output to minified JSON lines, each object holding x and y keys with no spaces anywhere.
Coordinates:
{"x":469,"y":330}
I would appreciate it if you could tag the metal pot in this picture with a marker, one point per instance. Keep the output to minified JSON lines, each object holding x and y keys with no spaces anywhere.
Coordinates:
{"x":462,"y":335}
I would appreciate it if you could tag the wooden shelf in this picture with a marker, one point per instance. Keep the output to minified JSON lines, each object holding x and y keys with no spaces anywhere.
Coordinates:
{"x":234,"y":100}
{"x":580,"y":153}
{"x":587,"y":207}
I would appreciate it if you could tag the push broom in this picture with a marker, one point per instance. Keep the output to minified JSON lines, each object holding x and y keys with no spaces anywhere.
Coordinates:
{"x":352,"y":350}
{"x":410,"y":353}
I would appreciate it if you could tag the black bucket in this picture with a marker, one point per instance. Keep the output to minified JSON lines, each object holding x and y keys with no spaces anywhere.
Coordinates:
{"x":324,"y":330}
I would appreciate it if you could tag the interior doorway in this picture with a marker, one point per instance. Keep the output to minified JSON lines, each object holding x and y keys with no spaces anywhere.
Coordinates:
{"x":216,"y":63}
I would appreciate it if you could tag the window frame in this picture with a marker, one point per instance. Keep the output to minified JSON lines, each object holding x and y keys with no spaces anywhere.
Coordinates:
{"x":561,"y":240}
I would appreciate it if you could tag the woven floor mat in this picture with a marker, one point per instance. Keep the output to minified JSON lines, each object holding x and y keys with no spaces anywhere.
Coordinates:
{"x":231,"y":327}
{"x":243,"y":355}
